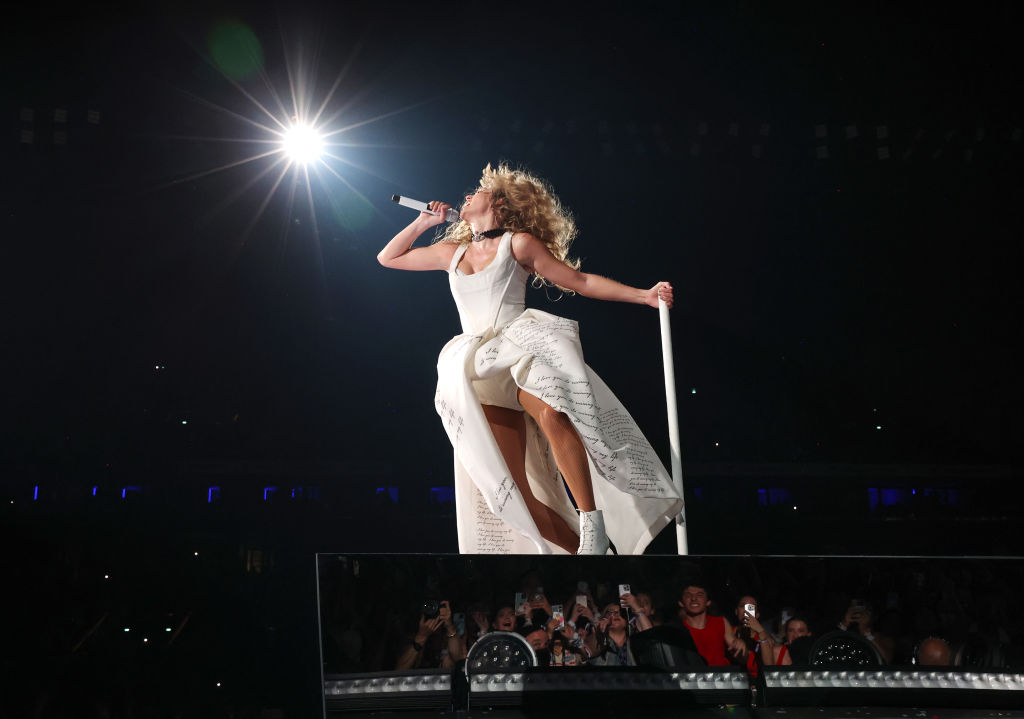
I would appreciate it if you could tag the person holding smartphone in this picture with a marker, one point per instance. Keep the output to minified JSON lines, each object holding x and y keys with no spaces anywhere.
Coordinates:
{"x":614,"y":630}
{"x":760,"y":646}
{"x":437,"y":642}
{"x":580,"y":627}
{"x":642,"y":609}
{"x":859,"y":619}
{"x":514,"y":392}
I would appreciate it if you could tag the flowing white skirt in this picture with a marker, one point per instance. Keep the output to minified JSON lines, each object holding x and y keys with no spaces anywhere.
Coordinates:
{"x":541,"y":354}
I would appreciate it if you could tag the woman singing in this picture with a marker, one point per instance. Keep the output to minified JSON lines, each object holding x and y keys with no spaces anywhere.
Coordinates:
{"x":514,"y":392}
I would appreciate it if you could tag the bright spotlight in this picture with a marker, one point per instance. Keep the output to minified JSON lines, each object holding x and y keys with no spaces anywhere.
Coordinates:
{"x":302,"y":144}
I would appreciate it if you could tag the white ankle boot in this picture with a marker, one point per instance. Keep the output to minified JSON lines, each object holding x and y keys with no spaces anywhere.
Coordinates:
{"x":593,"y":540}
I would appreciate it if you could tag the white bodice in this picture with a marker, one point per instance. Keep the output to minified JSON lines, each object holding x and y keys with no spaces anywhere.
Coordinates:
{"x":492,"y":297}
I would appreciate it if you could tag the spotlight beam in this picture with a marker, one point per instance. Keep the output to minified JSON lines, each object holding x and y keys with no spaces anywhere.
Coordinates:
{"x":382,"y":116}
{"x":288,"y":214}
{"x":238,"y":191}
{"x":263,"y":206}
{"x":299,"y":139}
{"x":316,"y":231}
{"x":356,"y":165}
{"x":234,"y":83}
{"x":232,"y":113}
{"x":199,"y":138}
{"x":302,"y":144}
{"x":358,"y":194}
{"x":341,"y":76}
{"x":292,"y":81}
{"x":214,"y":170}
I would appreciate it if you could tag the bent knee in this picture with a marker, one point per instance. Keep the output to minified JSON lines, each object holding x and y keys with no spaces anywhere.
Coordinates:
{"x":550,"y":418}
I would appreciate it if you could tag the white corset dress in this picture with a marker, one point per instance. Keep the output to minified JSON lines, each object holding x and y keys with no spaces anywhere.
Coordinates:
{"x":505,"y":347}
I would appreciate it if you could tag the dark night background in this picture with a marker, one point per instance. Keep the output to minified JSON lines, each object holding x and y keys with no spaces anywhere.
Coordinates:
{"x":197,"y":364}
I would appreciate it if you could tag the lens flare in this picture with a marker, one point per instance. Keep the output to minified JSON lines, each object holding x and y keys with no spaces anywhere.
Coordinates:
{"x":302,"y":144}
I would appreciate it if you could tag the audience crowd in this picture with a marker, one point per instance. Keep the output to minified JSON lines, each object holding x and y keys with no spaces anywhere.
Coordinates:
{"x":903,"y":618}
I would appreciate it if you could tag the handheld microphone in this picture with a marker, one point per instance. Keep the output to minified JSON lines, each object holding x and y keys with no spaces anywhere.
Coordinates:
{"x":451,"y":216}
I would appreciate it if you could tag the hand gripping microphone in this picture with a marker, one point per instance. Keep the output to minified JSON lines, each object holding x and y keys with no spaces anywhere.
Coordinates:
{"x":451,"y":216}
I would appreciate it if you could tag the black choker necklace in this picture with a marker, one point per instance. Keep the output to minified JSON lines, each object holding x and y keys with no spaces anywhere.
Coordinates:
{"x":487,"y":234}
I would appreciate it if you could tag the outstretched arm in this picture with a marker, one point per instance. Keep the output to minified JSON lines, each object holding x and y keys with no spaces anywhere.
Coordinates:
{"x":399,"y":255}
{"x":532,"y":254}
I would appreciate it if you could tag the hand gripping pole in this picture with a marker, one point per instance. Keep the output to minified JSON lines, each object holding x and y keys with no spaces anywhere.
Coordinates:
{"x":673,"y":421}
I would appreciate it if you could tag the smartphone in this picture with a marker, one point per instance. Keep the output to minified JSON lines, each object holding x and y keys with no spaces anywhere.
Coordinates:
{"x":460,"y":622}
{"x":520,"y":604}
{"x":623,"y":589}
{"x":558,"y":616}
{"x":582,"y":599}
{"x":750,"y":609}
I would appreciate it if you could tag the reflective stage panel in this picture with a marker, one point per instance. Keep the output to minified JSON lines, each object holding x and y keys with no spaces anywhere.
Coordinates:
{"x":449,"y":633}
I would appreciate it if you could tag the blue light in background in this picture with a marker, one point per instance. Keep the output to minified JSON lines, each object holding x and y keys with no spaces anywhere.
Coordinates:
{"x":774,"y":495}
{"x":389,"y":491}
{"x":94,"y":490}
{"x":443,"y":495}
{"x":269,"y":492}
{"x":212,"y":493}
{"x":35,"y":493}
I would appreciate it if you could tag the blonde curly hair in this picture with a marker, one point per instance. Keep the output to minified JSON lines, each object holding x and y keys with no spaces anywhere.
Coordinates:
{"x":523,"y":202}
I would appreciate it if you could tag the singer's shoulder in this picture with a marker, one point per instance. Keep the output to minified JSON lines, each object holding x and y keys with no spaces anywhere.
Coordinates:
{"x":529,"y":251}
{"x":525,"y":243}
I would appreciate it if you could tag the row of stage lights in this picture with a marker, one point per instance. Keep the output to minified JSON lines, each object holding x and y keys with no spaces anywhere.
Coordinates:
{"x":441,"y":495}
{"x":213,"y":493}
{"x":681,"y":689}
{"x":640,"y":139}
{"x":59,"y":125}
{"x":851,"y":130}
{"x":305,"y":145}
{"x":878,"y":497}
{"x":301,"y":143}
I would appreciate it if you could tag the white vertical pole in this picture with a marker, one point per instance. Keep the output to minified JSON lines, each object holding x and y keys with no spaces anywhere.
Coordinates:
{"x":673,"y":421}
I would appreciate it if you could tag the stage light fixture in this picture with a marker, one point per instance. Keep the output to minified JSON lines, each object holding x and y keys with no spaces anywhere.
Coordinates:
{"x":945,"y":686}
{"x":500,"y":651}
{"x":302,"y":144}
{"x":608,"y":686}
{"x":414,"y":689}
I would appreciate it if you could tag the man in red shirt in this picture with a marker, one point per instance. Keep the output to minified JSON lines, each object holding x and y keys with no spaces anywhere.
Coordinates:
{"x":712,"y":634}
